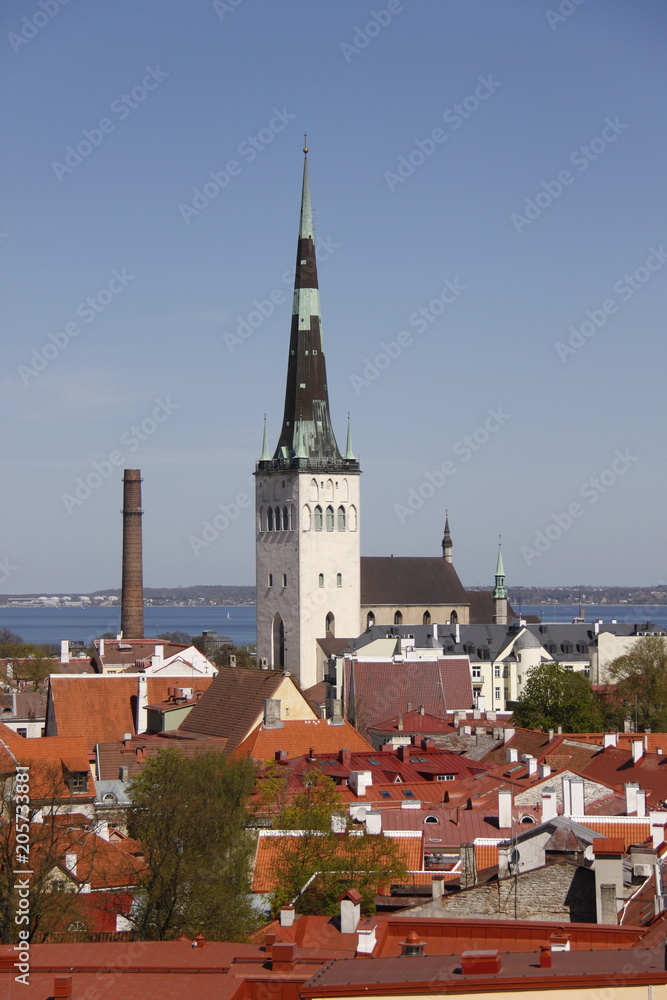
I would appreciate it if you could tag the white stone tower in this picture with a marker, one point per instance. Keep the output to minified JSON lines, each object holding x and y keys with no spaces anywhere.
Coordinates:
{"x":500,"y":592}
{"x":307,"y":500}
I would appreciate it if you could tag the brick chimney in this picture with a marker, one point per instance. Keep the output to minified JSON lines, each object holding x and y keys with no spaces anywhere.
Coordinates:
{"x":132,"y":593}
{"x":350,"y":911}
{"x":62,"y":987}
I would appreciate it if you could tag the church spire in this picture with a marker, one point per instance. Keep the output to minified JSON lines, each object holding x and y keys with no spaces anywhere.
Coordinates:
{"x":447,"y":541}
{"x":307,"y":440}
{"x":500,"y":591}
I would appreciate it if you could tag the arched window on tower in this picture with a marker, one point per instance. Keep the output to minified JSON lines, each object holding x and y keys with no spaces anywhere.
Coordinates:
{"x":269,"y":519}
{"x":317,"y":518}
{"x":341,"y":518}
{"x":314,"y":490}
{"x":339,"y":579}
{"x":305,"y":518}
{"x":278,"y":642}
{"x":370,"y":620}
{"x":352,"y":518}
{"x":320,"y":580}
{"x":285,"y":519}
{"x":426,"y":619}
{"x":453,"y":618}
{"x":329,"y":490}
{"x":343,"y":489}
{"x":331,"y":623}
{"x":277,"y":518}
{"x":330,"y":519}
{"x":398,"y":618}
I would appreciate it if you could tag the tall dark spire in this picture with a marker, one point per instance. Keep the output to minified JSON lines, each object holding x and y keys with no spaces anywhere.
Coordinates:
{"x":307,"y":439}
{"x":447,"y":541}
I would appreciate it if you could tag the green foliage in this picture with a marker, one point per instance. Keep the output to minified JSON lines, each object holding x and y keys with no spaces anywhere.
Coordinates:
{"x":190,"y":814}
{"x":554,"y":696}
{"x":312,"y":807}
{"x":337,"y":861}
{"x":183,"y":638}
{"x":641,"y":685}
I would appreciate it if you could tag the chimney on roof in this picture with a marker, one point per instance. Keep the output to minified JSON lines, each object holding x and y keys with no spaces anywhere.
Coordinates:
{"x":637,"y":751}
{"x":544,"y":770}
{"x":631,"y":789}
{"x":468,"y":866}
{"x":70,"y":863}
{"x":132,"y":591}
{"x":272,"y":719}
{"x":609,"y":885}
{"x":283,"y":954}
{"x":609,"y":740}
{"x":545,"y":956}
{"x":400,"y":724}
{"x":413,"y":945}
{"x":366,"y":937}
{"x":509,"y":733}
{"x":457,"y":633}
{"x":505,"y":808}
{"x":338,"y":822}
{"x":511,"y":755}
{"x":345,"y":757}
{"x":334,"y":711}
{"x":435,"y":631}
{"x":577,"y":800}
{"x":409,"y":706}
{"x":403,"y":752}
{"x":232,"y":660}
{"x":287,"y":915}
{"x":559,"y":730}
{"x":550,"y":734}
{"x":64,"y":651}
{"x":141,"y":723}
{"x":549,"y":804}
{"x":350,"y":911}
{"x":124,"y":774}
{"x":567,"y":798}
{"x":199,"y":941}
{"x":477,"y":963}
{"x":62,"y":987}
{"x":127,"y":741}
{"x":373,"y":822}
{"x":531,"y":764}
{"x":438,"y":886}
{"x":641,"y":802}
{"x":359,"y":781}
{"x":280,"y":755}
{"x":100,"y":647}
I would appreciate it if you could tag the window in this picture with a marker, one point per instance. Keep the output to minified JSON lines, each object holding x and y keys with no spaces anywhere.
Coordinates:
{"x":476,"y":673}
{"x":431,"y":819}
{"x":284,"y":579}
{"x":277,"y":517}
{"x":285,"y":519}
{"x":507,"y":694}
{"x":330,"y":623}
{"x":398,"y":618}
{"x":496,"y":670}
{"x":445,"y":777}
{"x":341,"y":518}
{"x":317,"y":518}
{"x":385,"y":794}
{"x":339,"y":579}
{"x":370,"y":620}
{"x":269,"y":519}
{"x":270,"y":579}
{"x":78,"y":781}
{"x":453,"y":618}
{"x":496,"y":694}
{"x":305,"y":518}
{"x":426,"y":618}
{"x":21,"y":731}
{"x":408,"y":794}
{"x":330,"y":519}
{"x":320,"y":580}
{"x":352,"y":518}
{"x":314,"y":492}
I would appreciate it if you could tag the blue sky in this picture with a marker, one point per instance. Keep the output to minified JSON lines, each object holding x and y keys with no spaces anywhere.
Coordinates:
{"x":489,"y":191}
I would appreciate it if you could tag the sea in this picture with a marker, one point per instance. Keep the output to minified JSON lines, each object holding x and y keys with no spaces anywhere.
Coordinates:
{"x":50,"y":625}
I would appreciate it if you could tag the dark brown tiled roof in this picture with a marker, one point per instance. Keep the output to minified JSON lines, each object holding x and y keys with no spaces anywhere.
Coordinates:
{"x":134,"y":753}
{"x":405,"y":580}
{"x":232,"y":703}
{"x":383,"y":689}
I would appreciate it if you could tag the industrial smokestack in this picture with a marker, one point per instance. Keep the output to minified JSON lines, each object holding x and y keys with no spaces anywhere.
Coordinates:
{"x":132,"y":597}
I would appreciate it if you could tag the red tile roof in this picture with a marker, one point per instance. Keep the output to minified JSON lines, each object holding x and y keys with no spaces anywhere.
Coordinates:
{"x":299,"y":736}
{"x":381,"y":689}
{"x":101,"y":708}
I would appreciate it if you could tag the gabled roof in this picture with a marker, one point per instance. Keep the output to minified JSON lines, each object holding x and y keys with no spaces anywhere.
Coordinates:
{"x":616,"y":768}
{"x":101,"y":708}
{"x":414,"y":722}
{"x":405,"y":580}
{"x":233,"y":702}
{"x":132,"y":754}
{"x":382,"y":689}
{"x":299,"y":736}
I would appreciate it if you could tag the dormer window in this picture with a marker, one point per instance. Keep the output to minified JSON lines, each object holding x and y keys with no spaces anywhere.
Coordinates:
{"x":77,"y":781}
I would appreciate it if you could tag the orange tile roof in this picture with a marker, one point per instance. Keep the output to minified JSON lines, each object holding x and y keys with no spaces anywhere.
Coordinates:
{"x":49,"y":759}
{"x":486,"y":856}
{"x":630,"y":830}
{"x":272,"y":847}
{"x":299,"y":736}
{"x":101,"y":707}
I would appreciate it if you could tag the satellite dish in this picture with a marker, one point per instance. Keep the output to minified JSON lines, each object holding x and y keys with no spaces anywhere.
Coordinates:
{"x":514,"y":856}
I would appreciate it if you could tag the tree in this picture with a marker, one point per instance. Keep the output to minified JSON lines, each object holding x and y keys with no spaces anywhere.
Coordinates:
{"x":554,"y":696}
{"x":640,"y":676}
{"x":190,"y":814}
{"x":182,"y":638}
{"x":318,"y":865}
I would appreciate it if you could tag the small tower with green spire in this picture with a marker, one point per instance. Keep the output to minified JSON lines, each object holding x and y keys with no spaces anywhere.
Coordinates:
{"x":500,"y":591}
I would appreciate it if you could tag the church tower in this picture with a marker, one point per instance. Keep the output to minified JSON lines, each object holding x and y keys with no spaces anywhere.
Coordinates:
{"x":307,"y":499}
{"x":447,"y":541}
{"x":500,"y":592}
